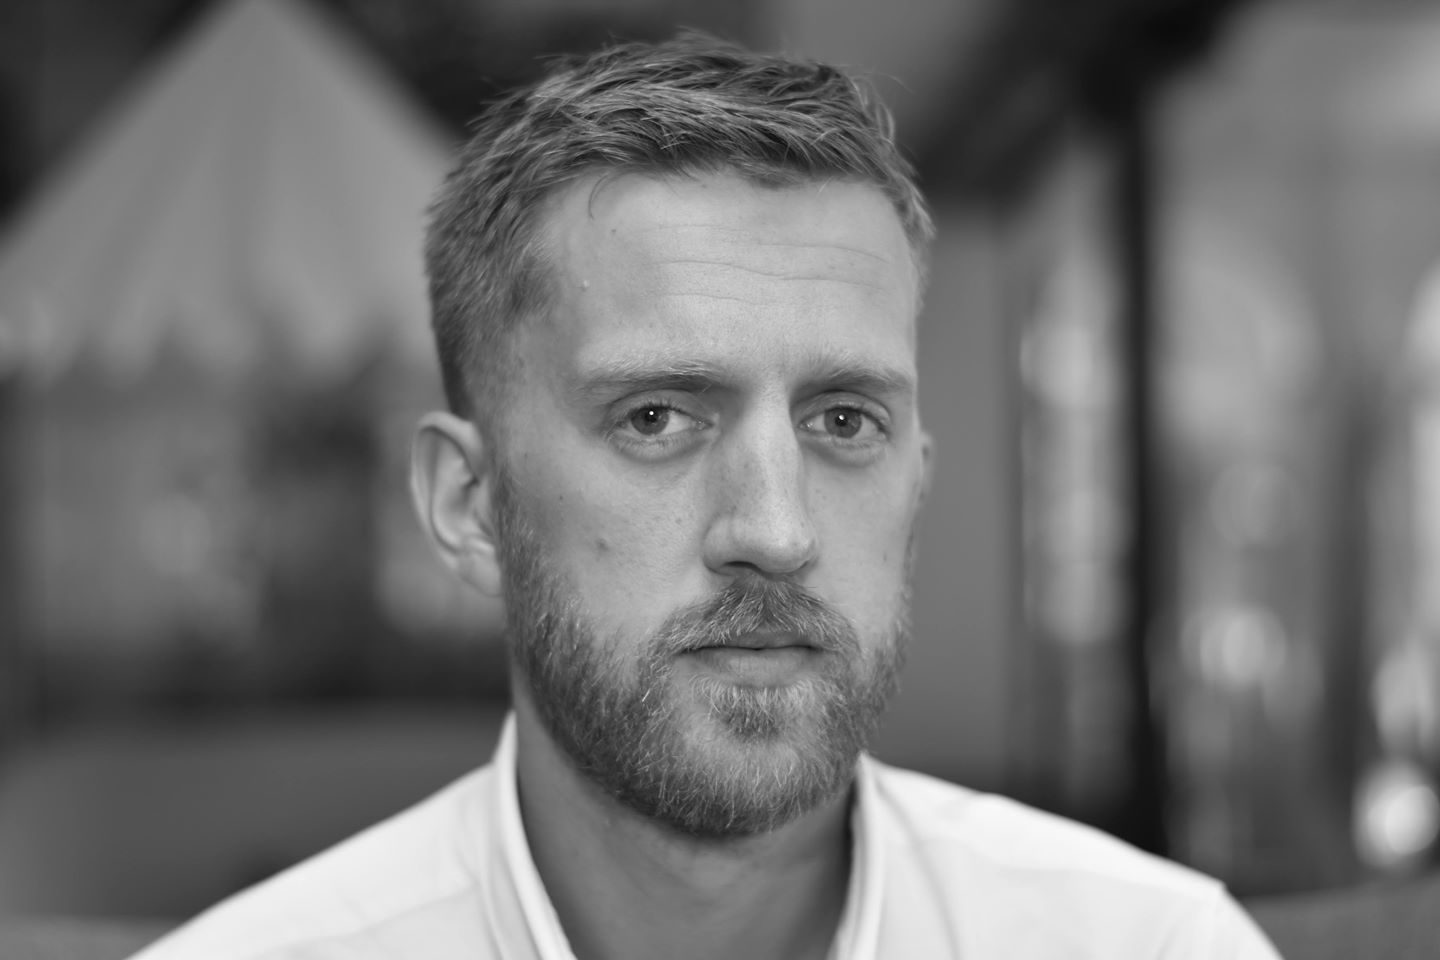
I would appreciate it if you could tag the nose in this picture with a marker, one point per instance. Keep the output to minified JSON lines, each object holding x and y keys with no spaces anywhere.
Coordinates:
{"x":761,"y":518}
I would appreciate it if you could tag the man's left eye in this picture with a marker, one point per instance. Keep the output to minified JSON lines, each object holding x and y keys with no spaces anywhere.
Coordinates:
{"x":846,"y":424}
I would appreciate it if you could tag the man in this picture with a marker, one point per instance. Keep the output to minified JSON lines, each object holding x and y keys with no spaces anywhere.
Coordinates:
{"x":675,"y":291}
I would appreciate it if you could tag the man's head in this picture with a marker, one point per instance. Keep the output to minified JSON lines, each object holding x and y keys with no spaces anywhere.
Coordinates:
{"x":689,"y":106}
{"x":675,"y":293}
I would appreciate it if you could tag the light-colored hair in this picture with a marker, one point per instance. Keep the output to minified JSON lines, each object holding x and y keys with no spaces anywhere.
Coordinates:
{"x":688,"y":106}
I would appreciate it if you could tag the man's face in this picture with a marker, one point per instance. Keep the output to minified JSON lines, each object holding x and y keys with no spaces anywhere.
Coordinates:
{"x":711,"y":462}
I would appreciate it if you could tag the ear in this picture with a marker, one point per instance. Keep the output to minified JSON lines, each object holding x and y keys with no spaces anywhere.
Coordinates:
{"x":452,"y":481}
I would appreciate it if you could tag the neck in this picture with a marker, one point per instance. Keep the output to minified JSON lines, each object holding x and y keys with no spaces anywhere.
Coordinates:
{"x":626,"y":886}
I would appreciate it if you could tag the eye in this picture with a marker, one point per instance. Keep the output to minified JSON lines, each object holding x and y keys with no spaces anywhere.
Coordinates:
{"x":844,"y":424}
{"x":655,"y":421}
{"x":650,"y":421}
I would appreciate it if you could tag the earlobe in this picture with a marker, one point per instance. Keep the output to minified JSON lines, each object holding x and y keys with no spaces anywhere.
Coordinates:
{"x":451,"y":481}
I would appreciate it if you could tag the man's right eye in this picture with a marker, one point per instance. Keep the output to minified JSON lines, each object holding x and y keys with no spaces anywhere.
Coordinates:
{"x":656,"y":421}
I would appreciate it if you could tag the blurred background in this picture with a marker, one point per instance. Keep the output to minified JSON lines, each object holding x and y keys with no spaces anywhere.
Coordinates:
{"x":1179,"y":573}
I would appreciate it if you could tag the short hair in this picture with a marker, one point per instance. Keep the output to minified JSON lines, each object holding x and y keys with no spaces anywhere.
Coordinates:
{"x":687,"y":106}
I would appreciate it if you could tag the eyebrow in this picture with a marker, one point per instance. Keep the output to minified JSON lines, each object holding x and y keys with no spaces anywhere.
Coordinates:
{"x":860,"y":377}
{"x":631,"y":375}
{"x":626,"y":376}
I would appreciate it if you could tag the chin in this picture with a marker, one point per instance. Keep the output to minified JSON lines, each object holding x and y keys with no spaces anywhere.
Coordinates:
{"x":778,"y":716}
{"x":743,"y":761}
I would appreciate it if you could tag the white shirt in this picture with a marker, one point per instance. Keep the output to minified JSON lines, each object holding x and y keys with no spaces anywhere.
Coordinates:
{"x":938,"y":871}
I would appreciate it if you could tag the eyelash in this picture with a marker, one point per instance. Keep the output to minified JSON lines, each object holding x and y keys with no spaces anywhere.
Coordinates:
{"x":852,"y":445}
{"x":655,"y":443}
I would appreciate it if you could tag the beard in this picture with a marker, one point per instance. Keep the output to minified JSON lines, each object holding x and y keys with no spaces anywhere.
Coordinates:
{"x":755,"y":757}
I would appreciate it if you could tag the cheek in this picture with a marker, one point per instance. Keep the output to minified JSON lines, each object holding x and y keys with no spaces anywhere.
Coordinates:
{"x":623,"y":548}
{"x":865,"y":540}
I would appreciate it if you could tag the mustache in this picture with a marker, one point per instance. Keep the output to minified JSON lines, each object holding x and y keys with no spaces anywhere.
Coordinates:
{"x":751,"y":605}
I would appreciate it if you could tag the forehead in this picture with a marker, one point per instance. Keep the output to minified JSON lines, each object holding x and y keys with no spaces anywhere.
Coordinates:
{"x":673,"y":266}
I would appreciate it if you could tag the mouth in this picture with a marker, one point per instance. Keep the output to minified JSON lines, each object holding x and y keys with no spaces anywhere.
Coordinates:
{"x":760,"y":659}
{"x":763,"y":640}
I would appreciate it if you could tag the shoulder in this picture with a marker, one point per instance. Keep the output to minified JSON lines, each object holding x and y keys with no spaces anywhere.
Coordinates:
{"x":1004,"y":835}
{"x":1032,"y":883}
{"x":421,"y":862}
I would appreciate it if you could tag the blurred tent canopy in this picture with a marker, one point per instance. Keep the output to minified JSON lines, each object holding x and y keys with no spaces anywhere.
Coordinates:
{"x":258,"y":198}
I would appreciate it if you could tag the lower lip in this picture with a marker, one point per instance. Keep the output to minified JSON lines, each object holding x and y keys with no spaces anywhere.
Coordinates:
{"x":770,"y":667}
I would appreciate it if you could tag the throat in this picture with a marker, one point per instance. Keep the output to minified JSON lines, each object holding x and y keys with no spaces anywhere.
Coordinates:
{"x":717,"y":906}
{"x":626,"y":887}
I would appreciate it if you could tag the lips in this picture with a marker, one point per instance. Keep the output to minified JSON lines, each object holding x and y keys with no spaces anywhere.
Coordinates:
{"x":777,"y":665}
{"x":764,"y":640}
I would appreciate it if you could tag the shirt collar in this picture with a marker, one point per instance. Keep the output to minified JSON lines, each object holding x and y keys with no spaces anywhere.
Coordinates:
{"x":516,"y":884}
{"x":858,"y":935}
